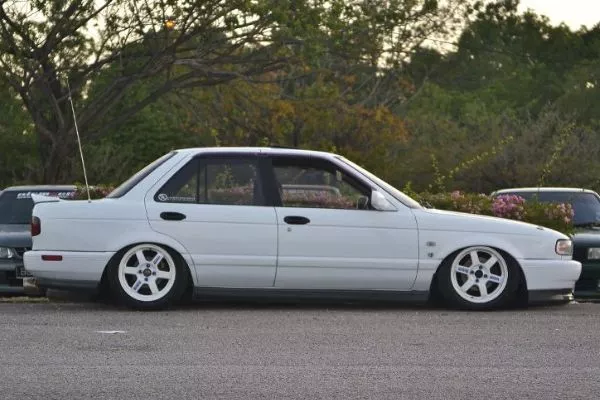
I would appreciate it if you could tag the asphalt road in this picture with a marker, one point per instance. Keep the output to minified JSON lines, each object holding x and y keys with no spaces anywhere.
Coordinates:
{"x":58,"y":351}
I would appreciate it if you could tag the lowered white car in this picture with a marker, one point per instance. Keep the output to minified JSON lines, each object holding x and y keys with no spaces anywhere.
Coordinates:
{"x":247,"y":221}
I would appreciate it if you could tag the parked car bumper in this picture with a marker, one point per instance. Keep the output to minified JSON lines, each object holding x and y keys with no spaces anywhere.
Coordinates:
{"x":588,"y":284}
{"x":11,"y":279}
{"x":76,"y":270}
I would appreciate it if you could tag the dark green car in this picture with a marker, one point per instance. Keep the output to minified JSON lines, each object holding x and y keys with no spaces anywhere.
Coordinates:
{"x":586,"y":240}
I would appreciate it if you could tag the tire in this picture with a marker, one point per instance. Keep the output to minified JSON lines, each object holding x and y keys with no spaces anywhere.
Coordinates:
{"x":147,"y":276}
{"x":479,"y":278}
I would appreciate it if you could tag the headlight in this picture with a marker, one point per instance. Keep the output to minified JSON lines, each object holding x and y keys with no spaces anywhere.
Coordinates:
{"x":6,"y":252}
{"x":564,"y":247}
{"x":594,"y":253}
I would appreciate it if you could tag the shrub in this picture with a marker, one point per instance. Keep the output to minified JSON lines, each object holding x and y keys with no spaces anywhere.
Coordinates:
{"x":96,"y":192}
{"x":557,"y":216}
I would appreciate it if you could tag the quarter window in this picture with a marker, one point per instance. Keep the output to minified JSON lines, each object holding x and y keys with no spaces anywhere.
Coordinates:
{"x":314,"y":183}
{"x":214,"y":181}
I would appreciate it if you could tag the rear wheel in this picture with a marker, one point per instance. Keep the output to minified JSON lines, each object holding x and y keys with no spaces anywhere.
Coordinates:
{"x":147,"y":276}
{"x":479,"y":278}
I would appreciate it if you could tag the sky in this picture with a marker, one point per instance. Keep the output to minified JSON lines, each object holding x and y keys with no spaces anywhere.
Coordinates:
{"x":572,"y":12}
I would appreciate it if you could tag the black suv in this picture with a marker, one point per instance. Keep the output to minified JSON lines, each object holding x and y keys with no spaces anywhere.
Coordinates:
{"x":586,"y":240}
{"x":15,"y":236}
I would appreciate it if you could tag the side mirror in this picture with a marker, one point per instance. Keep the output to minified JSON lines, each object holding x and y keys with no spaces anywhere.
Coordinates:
{"x":379,"y":202}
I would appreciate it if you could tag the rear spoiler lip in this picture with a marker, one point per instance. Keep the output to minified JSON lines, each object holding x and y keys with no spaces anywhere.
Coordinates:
{"x":40,"y":198}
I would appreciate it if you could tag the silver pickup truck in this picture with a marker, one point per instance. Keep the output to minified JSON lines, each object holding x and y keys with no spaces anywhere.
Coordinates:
{"x":15,"y":236}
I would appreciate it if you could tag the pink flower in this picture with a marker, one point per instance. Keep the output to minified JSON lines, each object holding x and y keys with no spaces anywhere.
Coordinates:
{"x":508,"y":206}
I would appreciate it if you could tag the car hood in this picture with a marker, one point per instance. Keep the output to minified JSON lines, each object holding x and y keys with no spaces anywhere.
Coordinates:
{"x":15,"y":235}
{"x":433,"y":219}
{"x":589,"y":236}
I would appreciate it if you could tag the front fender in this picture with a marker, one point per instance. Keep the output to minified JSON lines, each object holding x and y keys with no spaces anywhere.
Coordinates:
{"x":443,"y":249}
{"x":436,"y":246}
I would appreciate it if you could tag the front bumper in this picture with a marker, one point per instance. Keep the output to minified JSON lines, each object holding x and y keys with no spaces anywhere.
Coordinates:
{"x":561,"y":296}
{"x":10,"y":281}
{"x":550,"y":275}
{"x":590,"y":270}
{"x":588,"y":284}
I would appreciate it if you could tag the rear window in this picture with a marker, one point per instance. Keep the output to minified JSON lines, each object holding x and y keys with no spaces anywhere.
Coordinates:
{"x":139,"y":176}
{"x":16,"y":207}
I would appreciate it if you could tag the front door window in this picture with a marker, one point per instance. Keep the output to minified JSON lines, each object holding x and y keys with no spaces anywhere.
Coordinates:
{"x":313,"y":183}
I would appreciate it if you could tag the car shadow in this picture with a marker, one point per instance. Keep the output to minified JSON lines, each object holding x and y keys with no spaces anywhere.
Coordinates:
{"x":273,"y":304}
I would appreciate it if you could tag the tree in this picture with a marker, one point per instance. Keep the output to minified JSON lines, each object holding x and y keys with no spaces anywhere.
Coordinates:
{"x":17,"y":141}
{"x":516,"y":59}
{"x":186,"y":43}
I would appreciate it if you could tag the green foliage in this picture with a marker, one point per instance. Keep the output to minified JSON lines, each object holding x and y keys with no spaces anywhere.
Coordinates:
{"x":561,"y":141}
{"x":18,"y":160}
{"x":516,"y":101}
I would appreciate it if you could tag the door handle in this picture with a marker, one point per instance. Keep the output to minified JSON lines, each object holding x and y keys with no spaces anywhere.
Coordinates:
{"x":172,"y":216}
{"x":296,"y":220}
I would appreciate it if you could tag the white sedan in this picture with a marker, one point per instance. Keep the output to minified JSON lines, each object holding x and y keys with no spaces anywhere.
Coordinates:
{"x":273,"y":221}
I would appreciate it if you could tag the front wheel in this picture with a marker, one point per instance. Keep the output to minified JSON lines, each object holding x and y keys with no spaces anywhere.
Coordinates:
{"x":147,"y":276}
{"x":479,"y":278}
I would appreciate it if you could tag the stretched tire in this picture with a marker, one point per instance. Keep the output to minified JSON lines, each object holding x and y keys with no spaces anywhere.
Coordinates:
{"x":147,"y":277}
{"x":478,"y":278}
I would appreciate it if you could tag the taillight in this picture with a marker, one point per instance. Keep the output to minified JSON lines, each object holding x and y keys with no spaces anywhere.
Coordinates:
{"x":36,"y":226}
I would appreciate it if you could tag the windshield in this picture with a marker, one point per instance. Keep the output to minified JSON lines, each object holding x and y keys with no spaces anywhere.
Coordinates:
{"x":138,"y":176}
{"x":586,"y":206}
{"x":16,"y":207}
{"x":408,"y":201}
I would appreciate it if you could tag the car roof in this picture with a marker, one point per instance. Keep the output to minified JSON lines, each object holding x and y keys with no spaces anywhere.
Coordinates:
{"x":275,"y":150}
{"x":543,"y":189}
{"x":46,"y":188}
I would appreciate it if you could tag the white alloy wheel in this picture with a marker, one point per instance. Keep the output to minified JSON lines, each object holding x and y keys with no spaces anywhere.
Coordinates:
{"x":479,"y":274}
{"x":146,"y":272}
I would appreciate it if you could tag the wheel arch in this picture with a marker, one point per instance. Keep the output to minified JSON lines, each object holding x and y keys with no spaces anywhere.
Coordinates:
{"x":175,"y":252}
{"x":510,"y":258}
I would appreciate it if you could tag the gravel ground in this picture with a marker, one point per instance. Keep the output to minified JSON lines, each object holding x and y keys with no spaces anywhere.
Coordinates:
{"x":59,"y":350}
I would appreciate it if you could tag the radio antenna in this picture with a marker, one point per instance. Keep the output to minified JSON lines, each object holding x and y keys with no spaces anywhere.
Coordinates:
{"x":87,"y":187}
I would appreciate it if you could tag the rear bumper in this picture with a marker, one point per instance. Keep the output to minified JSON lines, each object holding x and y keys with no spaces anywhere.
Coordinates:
{"x":71,"y":271}
{"x":550,"y":275}
{"x":90,"y":287}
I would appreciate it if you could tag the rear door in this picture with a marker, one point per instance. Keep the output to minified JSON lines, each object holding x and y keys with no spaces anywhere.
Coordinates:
{"x":215,"y":206}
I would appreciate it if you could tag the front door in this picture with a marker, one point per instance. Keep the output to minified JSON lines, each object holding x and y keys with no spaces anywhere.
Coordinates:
{"x":330,"y":237}
{"x":215,"y":207}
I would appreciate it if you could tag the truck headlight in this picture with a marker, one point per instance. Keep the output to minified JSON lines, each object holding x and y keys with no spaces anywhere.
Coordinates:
{"x":593,"y":253}
{"x":6,"y":252}
{"x":564,"y":247}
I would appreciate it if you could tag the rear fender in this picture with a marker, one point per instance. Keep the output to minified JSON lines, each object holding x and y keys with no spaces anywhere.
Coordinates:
{"x":131,"y":238}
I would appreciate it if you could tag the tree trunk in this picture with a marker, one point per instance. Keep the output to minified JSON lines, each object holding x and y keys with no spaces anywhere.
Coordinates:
{"x":56,"y":155}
